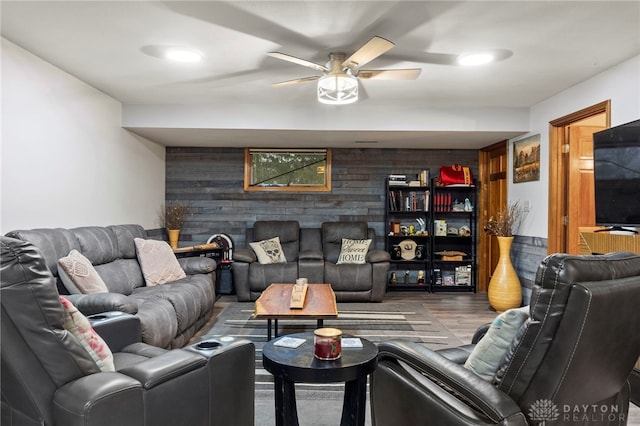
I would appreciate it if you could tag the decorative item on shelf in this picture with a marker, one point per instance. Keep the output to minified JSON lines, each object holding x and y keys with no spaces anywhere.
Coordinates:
{"x":408,"y":249}
{"x":393,"y":279}
{"x":455,"y":175}
{"x":505,"y":291}
{"x":420,"y":278}
{"x":172,"y":217}
{"x":451,"y":255}
{"x":440,"y":227}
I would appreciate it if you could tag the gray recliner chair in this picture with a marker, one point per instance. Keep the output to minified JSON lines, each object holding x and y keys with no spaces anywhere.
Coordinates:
{"x":568,"y":364}
{"x":48,"y":378}
{"x":354,"y":283}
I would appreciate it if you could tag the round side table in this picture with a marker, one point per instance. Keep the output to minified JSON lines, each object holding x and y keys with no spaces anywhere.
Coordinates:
{"x":291,"y":365}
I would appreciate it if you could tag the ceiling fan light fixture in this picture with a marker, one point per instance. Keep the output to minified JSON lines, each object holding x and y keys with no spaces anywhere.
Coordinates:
{"x":474,"y":59}
{"x":338,"y":88}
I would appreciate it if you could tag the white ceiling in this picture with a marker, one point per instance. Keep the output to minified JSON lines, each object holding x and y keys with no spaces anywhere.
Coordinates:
{"x":549,"y":45}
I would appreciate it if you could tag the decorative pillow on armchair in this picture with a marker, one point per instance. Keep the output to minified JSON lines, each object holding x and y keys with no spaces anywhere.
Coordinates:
{"x":158,"y":262}
{"x":269,"y":251}
{"x":353,"y":251}
{"x":486,"y":357}
{"x":78,"y":325}
{"x":78,"y":274}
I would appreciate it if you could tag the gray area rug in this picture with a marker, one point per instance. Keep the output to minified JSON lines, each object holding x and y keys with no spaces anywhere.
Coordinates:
{"x":321,"y":405}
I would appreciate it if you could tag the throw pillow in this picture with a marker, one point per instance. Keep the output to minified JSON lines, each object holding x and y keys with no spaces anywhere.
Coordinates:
{"x":486,"y":357}
{"x":78,"y":274}
{"x":158,"y":262}
{"x":269,"y":251}
{"x":353,"y":251}
{"x":78,"y":325}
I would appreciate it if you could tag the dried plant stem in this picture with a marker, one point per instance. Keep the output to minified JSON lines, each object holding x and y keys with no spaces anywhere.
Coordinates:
{"x":507,"y":222}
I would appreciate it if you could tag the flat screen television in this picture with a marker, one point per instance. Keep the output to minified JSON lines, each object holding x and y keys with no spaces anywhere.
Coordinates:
{"x":616,"y":157}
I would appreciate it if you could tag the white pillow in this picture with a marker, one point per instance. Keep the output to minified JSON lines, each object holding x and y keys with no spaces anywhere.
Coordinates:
{"x":269,"y":251}
{"x":78,"y":274}
{"x":158,"y":262}
{"x":486,"y":357}
{"x":353,"y":251}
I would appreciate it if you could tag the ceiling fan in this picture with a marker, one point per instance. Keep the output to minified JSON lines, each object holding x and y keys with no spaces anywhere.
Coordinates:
{"x":338,"y":83}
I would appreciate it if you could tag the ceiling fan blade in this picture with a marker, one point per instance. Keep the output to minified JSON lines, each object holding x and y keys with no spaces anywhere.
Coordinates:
{"x":298,"y":61}
{"x":367,"y":53}
{"x":296,"y":81}
{"x":398,"y":74}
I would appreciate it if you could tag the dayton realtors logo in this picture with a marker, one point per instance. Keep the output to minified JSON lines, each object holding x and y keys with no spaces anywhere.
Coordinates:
{"x":544,"y":410}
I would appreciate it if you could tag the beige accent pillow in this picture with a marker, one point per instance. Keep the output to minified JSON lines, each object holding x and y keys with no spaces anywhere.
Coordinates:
{"x":158,"y":262}
{"x":269,"y":251}
{"x":353,"y":251}
{"x":78,"y":274}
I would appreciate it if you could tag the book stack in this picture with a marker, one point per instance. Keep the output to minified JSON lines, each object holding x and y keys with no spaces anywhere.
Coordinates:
{"x":398,"y":180}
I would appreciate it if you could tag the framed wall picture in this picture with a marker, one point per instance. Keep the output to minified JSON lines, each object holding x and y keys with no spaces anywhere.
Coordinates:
{"x":526,"y":159}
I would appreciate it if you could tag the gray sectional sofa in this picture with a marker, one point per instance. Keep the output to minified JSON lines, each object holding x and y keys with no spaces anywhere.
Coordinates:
{"x":170,"y":314}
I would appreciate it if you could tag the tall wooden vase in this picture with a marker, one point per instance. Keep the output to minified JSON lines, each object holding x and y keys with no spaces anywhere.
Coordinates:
{"x":174,"y":236}
{"x":505,"y":291}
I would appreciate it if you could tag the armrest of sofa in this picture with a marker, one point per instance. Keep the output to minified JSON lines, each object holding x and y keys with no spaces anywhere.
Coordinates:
{"x":457,"y":380}
{"x":377,"y":256}
{"x":162,"y":368}
{"x":97,"y":303}
{"x":244,"y":255}
{"x":197,"y":265}
{"x":101,"y":398}
{"x":117,"y":329}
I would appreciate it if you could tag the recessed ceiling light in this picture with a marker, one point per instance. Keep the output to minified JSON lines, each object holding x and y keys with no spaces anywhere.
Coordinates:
{"x":180,"y":54}
{"x":478,"y":58}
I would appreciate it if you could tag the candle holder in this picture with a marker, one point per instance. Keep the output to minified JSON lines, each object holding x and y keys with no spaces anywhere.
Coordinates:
{"x":327,"y":343}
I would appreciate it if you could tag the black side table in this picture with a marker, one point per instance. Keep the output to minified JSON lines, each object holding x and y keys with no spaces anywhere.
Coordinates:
{"x":290,"y":365}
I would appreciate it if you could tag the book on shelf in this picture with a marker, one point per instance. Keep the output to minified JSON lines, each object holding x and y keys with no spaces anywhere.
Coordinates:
{"x":408,"y":201}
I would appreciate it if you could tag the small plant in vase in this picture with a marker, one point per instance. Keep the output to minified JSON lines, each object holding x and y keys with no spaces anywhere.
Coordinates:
{"x":505,"y":291}
{"x":172,"y":217}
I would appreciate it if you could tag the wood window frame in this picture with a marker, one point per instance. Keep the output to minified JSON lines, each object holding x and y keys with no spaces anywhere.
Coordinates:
{"x":248,"y":175}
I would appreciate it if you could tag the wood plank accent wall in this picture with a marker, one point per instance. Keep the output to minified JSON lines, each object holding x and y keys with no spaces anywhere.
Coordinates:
{"x":211,"y":180}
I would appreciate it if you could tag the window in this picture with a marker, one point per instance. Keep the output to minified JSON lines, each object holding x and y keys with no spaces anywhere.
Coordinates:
{"x":287,"y":170}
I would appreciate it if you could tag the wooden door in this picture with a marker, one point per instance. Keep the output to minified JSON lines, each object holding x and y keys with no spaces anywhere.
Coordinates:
{"x":493,"y":198}
{"x":580,"y":187}
{"x":571,"y":175}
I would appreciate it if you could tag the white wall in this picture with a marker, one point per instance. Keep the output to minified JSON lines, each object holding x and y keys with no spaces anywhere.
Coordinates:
{"x":65,"y":160}
{"x":621,"y":84}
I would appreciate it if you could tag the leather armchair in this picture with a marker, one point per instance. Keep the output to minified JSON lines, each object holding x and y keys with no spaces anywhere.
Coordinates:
{"x":351,"y":283}
{"x":48,"y":378}
{"x":569,"y":362}
{"x":301,"y":249}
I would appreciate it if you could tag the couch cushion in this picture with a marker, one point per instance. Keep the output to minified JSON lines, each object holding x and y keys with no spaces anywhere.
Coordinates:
{"x":287,"y":230}
{"x":158,"y":262}
{"x":78,"y":325}
{"x":124,"y":236}
{"x":334,"y":232}
{"x":79,"y":275}
{"x":97,"y":243}
{"x":353,"y":251}
{"x":486,"y":357}
{"x":269,"y":251}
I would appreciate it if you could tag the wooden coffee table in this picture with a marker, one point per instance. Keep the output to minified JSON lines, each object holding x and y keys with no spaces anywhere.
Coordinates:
{"x":273,"y":304}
